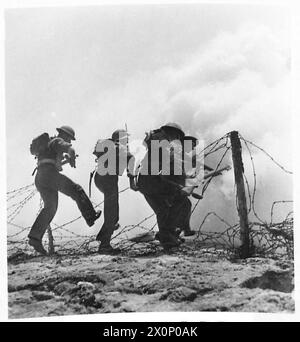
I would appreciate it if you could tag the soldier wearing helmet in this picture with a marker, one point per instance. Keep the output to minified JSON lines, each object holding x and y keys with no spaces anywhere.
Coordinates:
{"x":172,"y":131}
{"x":107,"y":183}
{"x":168,"y":203}
{"x":49,"y":181}
{"x":193,"y":176}
{"x":66,"y":132}
{"x":120,"y":135}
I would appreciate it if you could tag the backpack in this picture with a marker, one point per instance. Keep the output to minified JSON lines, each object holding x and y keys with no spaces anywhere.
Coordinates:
{"x":155,"y":134}
{"x":39,"y":144}
{"x":98,"y":147}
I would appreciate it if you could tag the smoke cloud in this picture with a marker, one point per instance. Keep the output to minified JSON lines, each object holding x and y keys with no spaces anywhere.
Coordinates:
{"x":239,"y":81}
{"x":235,"y":79}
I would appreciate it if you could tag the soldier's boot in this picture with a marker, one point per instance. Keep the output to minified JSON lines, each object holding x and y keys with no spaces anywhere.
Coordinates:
{"x":37,"y":245}
{"x":177,"y":233}
{"x":90,"y":219}
{"x":107,"y":249}
{"x":189,"y":232}
{"x":87,"y":210}
{"x":169,"y":240}
{"x":156,"y":237}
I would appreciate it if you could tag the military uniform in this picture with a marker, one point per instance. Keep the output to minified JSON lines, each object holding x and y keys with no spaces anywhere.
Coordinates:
{"x":49,"y":181}
{"x":108,"y":185}
{"x":172,"y":209}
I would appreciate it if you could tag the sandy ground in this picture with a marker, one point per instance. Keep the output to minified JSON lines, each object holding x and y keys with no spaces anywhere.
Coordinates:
{"x":146,"y":279}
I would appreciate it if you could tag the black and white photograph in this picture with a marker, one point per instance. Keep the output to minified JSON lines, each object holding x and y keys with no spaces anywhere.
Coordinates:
{"x":149,"y":160}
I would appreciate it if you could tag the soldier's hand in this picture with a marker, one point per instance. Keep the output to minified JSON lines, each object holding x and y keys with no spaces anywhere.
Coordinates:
{"x":72,"y":162}
{"x":72,"y":157}
{"x":71,"y":153}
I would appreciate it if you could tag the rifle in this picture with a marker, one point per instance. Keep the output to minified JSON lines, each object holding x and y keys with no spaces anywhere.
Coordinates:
{"x":208,"y":175}
{"x":216,"y":172}
{"x":59,"y":167}
{"x":180,"y":187}
{"x":67,"y":159}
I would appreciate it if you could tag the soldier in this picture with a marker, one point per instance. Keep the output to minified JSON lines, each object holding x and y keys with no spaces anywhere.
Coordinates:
{"x":108,"y":185}
{"x":51,"y":154}
{"x":194,"y":175}
{"x":168,"y":203}
{"x":190,"y":181}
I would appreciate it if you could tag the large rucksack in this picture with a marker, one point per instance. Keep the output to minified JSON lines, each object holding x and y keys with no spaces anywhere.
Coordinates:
{"x":98,"y":147}
{"x":39,"y":144}
{"x":155,"y":134}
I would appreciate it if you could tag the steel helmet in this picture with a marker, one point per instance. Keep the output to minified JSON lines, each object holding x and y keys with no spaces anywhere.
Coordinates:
{"x":119,"y":134}
{"x":173,"y":125}
{"x":67,"y":129}
{"x":192,"y":138}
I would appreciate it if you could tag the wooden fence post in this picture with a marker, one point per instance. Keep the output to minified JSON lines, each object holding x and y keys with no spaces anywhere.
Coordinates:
{"x":51,"y":250}
{"x":238,"y":166}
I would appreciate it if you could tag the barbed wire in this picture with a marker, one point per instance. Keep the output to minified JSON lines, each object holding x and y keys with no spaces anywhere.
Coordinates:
{"x":279,"y":202}
{"x":252,"y":197}
{"x":266,"y":153}
{"x":20,"y":206}
{"x":266,"y":238}
{"x":19,"y":189}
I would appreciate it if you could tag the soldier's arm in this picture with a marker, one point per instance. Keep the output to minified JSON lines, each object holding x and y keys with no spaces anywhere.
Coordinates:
{"x":71,"y":156}
{"x":58,"y":145}
{"x":208,"y":168}
{"x":130,"y":164}
{"x":200,"y":163}
{"x":176,"y":160}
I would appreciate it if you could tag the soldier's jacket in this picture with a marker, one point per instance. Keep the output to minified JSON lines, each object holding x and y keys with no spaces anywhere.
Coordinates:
{"x":121,"y":150}
{"x":195,"y":169}
{"x":154,"y":184}
{"x":55,"y":151}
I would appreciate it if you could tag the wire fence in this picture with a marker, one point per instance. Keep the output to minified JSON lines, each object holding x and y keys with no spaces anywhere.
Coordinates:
{"x":268,"y":238}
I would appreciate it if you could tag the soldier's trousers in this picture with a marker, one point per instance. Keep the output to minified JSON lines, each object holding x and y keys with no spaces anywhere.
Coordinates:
{"x":49,"y":182}
{"x":184,"y":220}
{"x":171,"y":212}
{"x":108,"y":185}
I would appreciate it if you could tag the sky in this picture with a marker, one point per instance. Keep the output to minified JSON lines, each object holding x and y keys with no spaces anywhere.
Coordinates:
{"x":210,"y":68}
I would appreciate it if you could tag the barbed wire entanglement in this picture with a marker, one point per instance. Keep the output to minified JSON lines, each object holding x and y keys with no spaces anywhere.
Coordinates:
{"x":268,"y":237}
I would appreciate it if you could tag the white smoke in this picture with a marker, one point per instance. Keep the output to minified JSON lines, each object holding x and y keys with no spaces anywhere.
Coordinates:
{"x":240,"y":81}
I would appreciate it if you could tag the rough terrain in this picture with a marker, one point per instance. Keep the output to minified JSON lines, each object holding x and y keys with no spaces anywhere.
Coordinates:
{"x":147,"y":279}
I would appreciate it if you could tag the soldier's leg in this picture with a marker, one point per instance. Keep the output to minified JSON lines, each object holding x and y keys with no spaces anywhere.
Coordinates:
{"x":161,"y":207}
{"x":187,"y":213}
{"x":108,"y":185}
{"x":181,"y":213}
{"x":76,"y":192}
{"x":50,"y":199}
